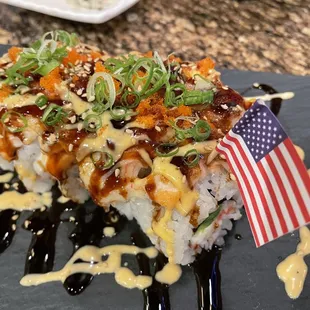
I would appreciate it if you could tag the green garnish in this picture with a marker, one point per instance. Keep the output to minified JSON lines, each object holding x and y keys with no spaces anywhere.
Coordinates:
{"x":102,"y":160}
{"x":171,"y":99}
{"x":209,"y":220}
{"x":92,"y":122}
{"x":191,"y":97}
{"x":137,"y":83}
{"x":6,"y":117}
{"x":191,"y":158}
{"x":41,"y":101}
{"x":53,"y":114}
{"x":166,"y":150}
{"x":41,"y":57}
{"x":201,"y":131}
{"x":127,"y":104}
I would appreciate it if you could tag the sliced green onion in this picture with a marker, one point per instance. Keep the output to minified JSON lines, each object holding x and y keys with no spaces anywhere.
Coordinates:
{"x":92,"y":122}
{"x":120,"y":65}
{"x":134,"y":81}
{"x":109,"y":90}
{"x":201,"y":131}
{"x":123,"y":83}
{"x":20,"y":119}
{"x":119,"y":113}
{"x":166,"y":150}
{"x":99,"y":107}
{"x":171,"y":100}
{"x":125,"y":102}
{"x":191,"y":158}
{"x":53,"y":114}
{"x":210,"y":219}
{"x":41,"y":101}
{"x":191,"y":97}
{"x":102,"y":160}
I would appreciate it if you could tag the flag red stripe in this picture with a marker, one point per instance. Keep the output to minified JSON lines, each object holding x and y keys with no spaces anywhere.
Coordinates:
{"x":301,"y":204}
{"x":273,"y":198}
{"x":282,"y":190}
{"x":249,"y":216}
{"x":264,"y":204}
{"x":249,"y":188}
{"x":298,"y":163}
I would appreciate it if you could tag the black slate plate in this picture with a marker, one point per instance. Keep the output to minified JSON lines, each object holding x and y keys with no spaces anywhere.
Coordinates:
{"x":249,"y":280}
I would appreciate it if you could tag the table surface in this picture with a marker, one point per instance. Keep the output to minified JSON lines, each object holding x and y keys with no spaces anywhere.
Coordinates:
{"x":263,"y":35}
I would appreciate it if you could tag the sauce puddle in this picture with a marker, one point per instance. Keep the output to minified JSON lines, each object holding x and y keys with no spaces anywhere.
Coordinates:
{"x":293,"y":270}
{"x":208,"y":279}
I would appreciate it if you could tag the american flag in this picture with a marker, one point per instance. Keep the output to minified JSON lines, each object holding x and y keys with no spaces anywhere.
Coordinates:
{"x":273,"y":180}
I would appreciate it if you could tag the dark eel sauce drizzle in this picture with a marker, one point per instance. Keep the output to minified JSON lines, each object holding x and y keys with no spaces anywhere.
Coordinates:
{"x":44,"y":225}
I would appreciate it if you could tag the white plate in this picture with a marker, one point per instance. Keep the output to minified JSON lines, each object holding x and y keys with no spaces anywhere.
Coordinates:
{"x":63,"y":9}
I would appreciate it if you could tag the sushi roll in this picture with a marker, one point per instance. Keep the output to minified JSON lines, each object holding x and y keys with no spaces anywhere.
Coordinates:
{"x":136,"y":132}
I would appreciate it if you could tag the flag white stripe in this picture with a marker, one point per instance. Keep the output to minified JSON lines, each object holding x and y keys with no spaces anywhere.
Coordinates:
{"x":287,"y":185}
{"x":263,"y":185}
{"x":277,"y":191}
{"x":245,"y":192}
{"x":254,"y":190}
{"x":301,"y":185}
{"x":260,"y":205}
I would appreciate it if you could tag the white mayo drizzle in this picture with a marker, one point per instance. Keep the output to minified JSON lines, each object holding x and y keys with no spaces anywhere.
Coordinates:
{"x":7,"y":177}
{"x":293,"y":270}
{"x":93,"y":264}
{"x":14,"y":101}
{"x":28,"y":201}
{"x":267,"y":97}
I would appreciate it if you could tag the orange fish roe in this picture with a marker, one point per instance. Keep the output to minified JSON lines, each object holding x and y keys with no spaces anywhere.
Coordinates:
{"x":13,"y":53}
{"x":152,"y":110}
{"x":148,"y":54}
{"x":205,"y":65}
{"x":99,"y":67}
{"x":5,"y":91}
{"x":73,"y":57}
{"x":49,"y":83}
{"x":95,"y":55}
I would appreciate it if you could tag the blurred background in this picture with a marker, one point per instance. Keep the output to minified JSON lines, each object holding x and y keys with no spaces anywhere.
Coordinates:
{"x":265,"y":35}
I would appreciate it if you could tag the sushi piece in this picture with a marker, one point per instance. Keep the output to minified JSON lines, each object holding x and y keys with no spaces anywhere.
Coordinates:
{"x":135,"y":132}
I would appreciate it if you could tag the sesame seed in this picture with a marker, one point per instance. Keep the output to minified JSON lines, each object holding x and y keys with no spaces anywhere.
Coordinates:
{"x":13,"y":227}
{"x":224,"y":106}
{"x":79,"y":92}
{"x":14,"y":217}
{"x":80,"y":126}
{"x":84,"y":95}
{"x":15,"y":186}
{"x":184,"y":179}
{"x":76,"y":62}
{"x":129,"y":131}
{"x":225,"y":87}
{"x":6,"y":186}
{"x":96,"y":59}
{"x":72,"y":219}
{"x":1,"y":137}
{"x":72,"y":119}
{"x":70,"y":147}
{"x":42,"y":209}
{"x":84,"y":75}
{"x":232,"y":177}
{"x":61,"y":66}
{"x":26,"y":223}
{"x":158,"y":128}
{"x":222,"y":156}
{"x":117,"y":172}
{"x":40,"y":232}
{"x":86,"y":68}
{"x":72,"y":85}
{"x":89,"y":59}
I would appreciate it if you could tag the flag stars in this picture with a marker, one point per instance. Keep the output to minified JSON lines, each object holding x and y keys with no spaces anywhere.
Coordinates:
{"x":265,"y":114}
{"x":280,"y":136}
